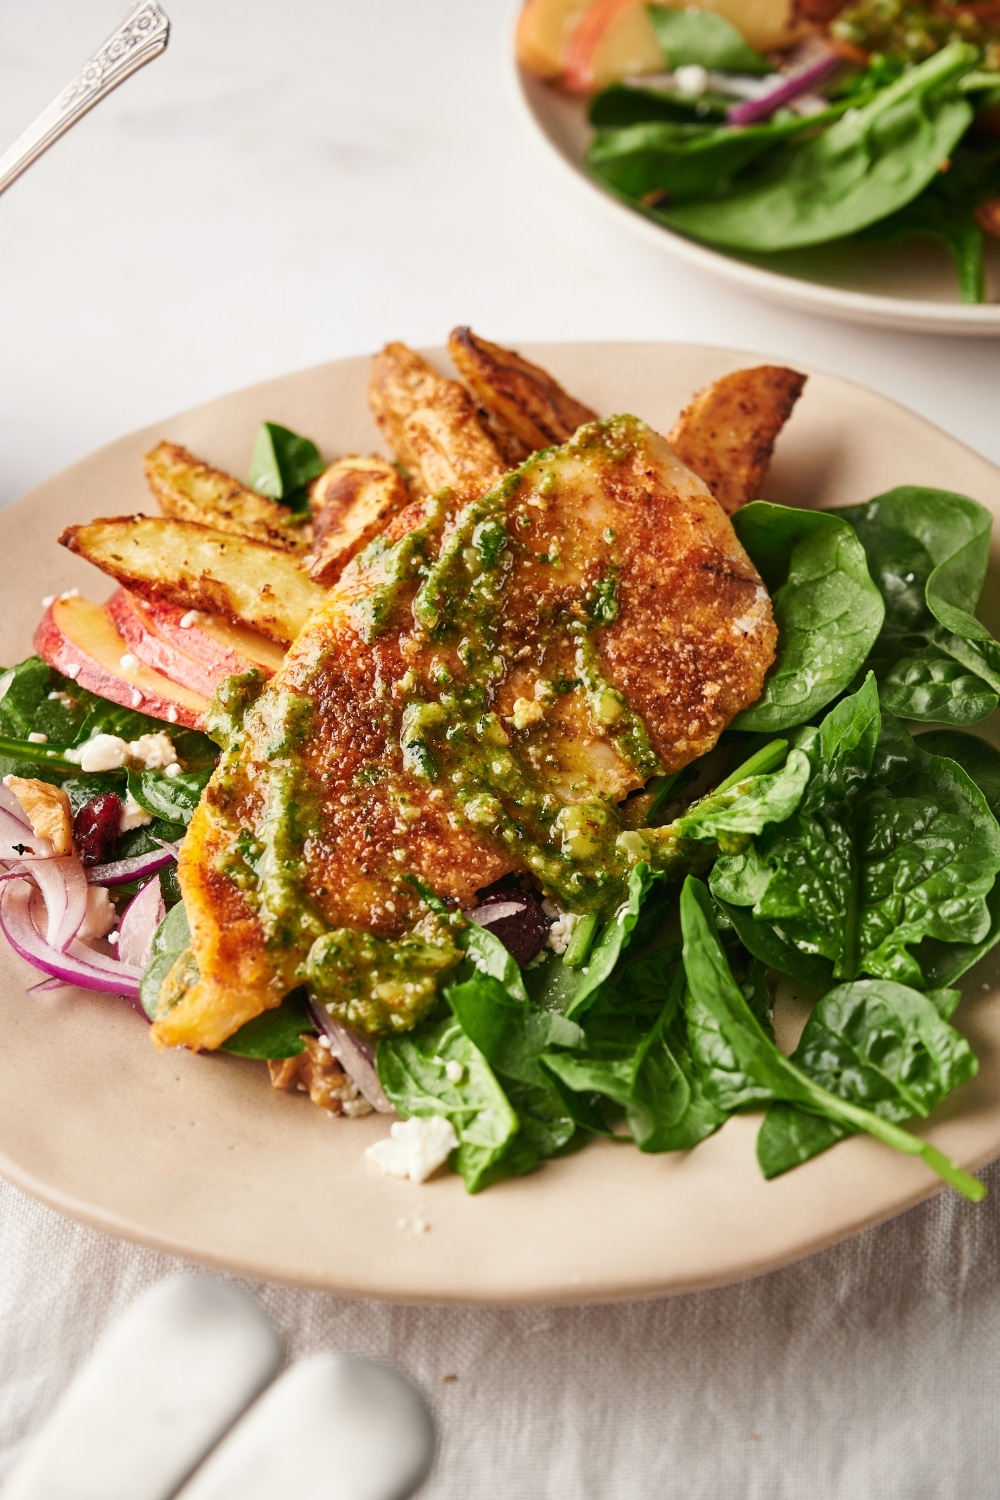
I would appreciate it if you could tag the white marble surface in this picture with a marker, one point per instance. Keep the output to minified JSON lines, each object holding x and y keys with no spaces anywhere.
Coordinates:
{"x":297,"y":182}
{"x":294,"y":182}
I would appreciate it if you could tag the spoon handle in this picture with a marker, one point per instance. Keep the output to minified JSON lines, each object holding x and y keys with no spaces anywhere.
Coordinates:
{"x":141,"y":36}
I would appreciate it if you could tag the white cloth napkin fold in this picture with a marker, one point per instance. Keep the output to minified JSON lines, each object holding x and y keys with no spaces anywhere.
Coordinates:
{"x":872,"y":1369}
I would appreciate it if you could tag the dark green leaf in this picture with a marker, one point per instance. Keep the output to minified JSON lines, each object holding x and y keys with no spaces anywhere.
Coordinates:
{"x":172,"y":798}
{"x":861,"y":169}
{"x":283,"y":464}
{"x":413,"y":1072}
{"x":684,"y":161}
{"x":877,"y":1044}
{"x":276,"y":1033}
{"x":827,"y":609}
{"x":622,"y":104}
{"x":699,"y":36}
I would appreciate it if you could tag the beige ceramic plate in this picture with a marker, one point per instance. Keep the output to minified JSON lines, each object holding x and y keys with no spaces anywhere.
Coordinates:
{"x":909,"y":286}
{"x":197,"y":1155}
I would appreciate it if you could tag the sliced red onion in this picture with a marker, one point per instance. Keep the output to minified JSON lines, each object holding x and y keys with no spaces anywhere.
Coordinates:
{"x":22,"y":915}
{"x":517,"y":919}
{"x":10,"y":804}
{"x":139,"y":922}
{"x":45,"y":987}
{"x":122,"y":871}
{"x":355,"y":1053}
{"x":790,"y":86}
{"x":64,"y":889}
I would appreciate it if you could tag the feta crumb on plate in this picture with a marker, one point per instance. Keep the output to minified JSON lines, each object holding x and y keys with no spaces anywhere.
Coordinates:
{"x":414,"y":1148}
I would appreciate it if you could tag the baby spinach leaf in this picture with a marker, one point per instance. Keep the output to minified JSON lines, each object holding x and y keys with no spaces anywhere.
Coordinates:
{"x":878,"y":1044}
{"x":746,"y":806}
{"x":928,"y":551}
{"x":283,"y":464}
{"x":35,"y":699}
{"x":172,"y":798}
{"x":275,"y":1033}
{"x":170,"y":940}
{"x":741,"y":1067}
{"x":621,"y":104}
{"x":489,"y":956}
{"x":512,"y":1035}
{"x":827,"y":609}
{"x":683,"y":160}
{"x":864,"y":167}
{"x":890,"y":846}
{"x":413,"y":1072}
{"x":645,"y":1068}
{"x":699,"y":36}
{"x":611,"y":942}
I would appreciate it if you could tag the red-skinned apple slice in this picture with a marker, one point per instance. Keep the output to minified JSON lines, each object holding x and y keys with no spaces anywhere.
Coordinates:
{"x":544,"y":30}
{"x":615,"y":39}
{"x":80,"y":640}
{"x":196,"y":651}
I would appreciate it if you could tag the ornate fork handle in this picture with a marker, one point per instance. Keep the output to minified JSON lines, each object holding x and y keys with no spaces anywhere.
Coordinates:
{"x":142,"y":35}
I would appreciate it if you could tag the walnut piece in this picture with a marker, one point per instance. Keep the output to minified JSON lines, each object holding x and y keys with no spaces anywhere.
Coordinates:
{"x":317,"y":1072}
{"x":47,"y":809}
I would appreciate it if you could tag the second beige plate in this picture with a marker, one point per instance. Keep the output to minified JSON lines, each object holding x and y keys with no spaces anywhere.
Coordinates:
{"x":198,"y":1156}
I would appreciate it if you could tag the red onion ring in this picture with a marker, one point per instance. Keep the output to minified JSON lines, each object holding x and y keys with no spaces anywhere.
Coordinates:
{"x":64,"y":888}
{"x":22,"y":911}
{"x":802,"y":81}
{"x":123,"y":871}
{"x":139,"y":922}
{"x":355,"y":1053}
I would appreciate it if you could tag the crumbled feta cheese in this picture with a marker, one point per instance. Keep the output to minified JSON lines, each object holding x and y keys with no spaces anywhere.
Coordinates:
{"x":71,"y":670}
{"x":105,"y":752}
{"x":133,"y":815}
{"x":136,"y":698}
{"x":155,"y":751}
{"x":454,"y":1071}
{"x":34,"y":738}
{"x":48,"y":601}
{"x":691,"y":80}
{"x":562,"y":930}
{"x":100,"y":916}
{"x":70,"y":594}
{"x":191,"y":618}
{"x":63,"y":698}
{"x":171,"y":715}
{"x":526,"y":711}
{"x":129,"y":662}
{"x":414,"y":1148}
{"x":172,"y":770}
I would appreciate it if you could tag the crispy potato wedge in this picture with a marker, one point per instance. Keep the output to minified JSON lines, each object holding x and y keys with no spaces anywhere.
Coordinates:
{"x":727,"y":434}
{"x":351,"y":502}
{"x":431,"y":425}
{"x":201,"y":568}
{"x":189,"y":490}
{"x":520,"y":398}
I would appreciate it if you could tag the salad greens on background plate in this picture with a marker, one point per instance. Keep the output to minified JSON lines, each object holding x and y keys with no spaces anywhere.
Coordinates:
{"x":852,"y":182}
{"x":837,"y":807}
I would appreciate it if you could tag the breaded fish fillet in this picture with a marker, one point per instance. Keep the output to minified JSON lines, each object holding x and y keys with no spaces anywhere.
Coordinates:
{"x":481,"y":689}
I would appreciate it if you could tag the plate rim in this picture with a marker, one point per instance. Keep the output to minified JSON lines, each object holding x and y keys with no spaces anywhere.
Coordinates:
{"x":110,"y":1221}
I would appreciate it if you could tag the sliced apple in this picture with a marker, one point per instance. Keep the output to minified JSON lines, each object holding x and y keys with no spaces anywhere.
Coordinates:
{"x":544,"y":31}
{"x":615,"y":39}
{"x":193,"y":649}
{"x":80,"y":640}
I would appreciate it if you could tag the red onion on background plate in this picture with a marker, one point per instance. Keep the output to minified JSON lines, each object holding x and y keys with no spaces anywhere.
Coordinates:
{"x":124,"y":871}
{"x":802,"y":81}
{"x":22,"y":915}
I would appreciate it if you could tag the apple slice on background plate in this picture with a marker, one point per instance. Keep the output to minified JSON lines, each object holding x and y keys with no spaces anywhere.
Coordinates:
{"x":80,"y":640}
{"x":193,"y":649}
{"x":615,"y":39}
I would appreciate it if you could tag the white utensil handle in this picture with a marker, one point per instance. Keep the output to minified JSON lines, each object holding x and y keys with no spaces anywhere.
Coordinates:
{"x":158,"y":1393}
{"x":332,"y":1428}
{"x":141,"y":36}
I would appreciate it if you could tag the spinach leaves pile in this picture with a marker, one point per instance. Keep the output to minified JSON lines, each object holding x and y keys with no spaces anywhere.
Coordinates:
{"x":841,"y":852}
{"x":895,"y":151}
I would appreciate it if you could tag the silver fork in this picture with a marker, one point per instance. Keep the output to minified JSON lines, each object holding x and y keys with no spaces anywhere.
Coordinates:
{"x":142,"y":35}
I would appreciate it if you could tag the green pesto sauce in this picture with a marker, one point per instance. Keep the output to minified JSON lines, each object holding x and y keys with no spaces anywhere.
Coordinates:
{"x":914,"y":32}
{"x":451,"y":737}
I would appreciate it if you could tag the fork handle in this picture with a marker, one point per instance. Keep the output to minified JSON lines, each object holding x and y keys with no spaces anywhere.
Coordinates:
{"x":142,"y":35}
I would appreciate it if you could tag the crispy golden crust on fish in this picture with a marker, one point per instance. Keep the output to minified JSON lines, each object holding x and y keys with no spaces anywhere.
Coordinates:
{"x":479,"y":691}
{"x":431,"y":425}
{"x":727,"y":433}
{"x":189,"y":490}
{"x":352,"y":501}
{"x":520,"y":397}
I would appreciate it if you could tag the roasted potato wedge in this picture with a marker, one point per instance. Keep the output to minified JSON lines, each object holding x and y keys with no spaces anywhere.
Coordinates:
{"x":519,"y":397}
{"x":431,"y":425}
{"x":351,"y":502}
{"x":727,"y":434}
{"x":201,"y":568}
{"x":189,"y":490}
